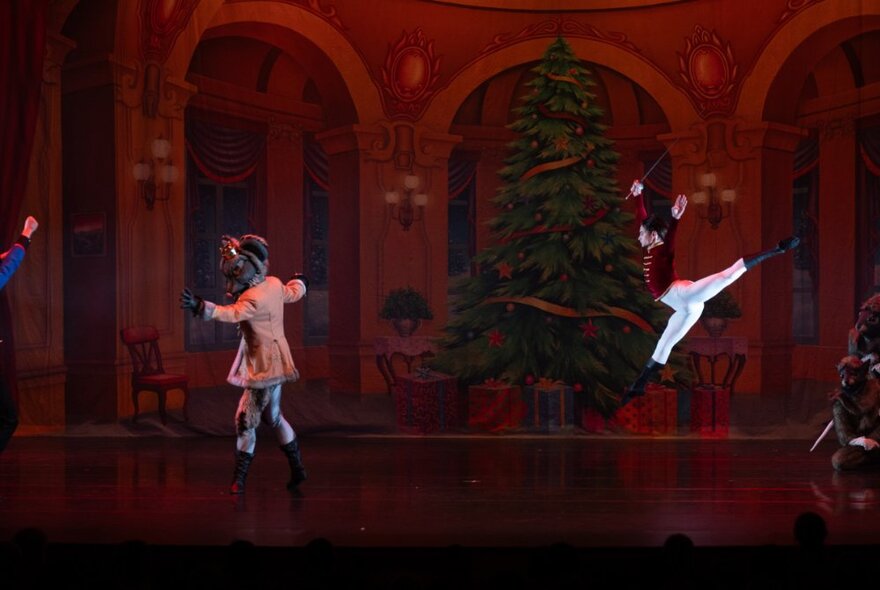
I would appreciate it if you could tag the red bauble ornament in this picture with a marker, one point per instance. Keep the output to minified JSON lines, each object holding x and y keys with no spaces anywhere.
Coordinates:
{"x":534,"y":115}
{"x":510,"y":307}
{"x":627,"y":329}
{"x":579,"y":130}
{"x":530,"y":380}
{"x":578,"y":387}
{"x":591,"y":163}
{"x":563,"y":277}
{"x":534,"y":145}
{"x":521,"y":255}
{"x":538,"y":217}
{"x":609,"y":267}
{"x":510,"y":206}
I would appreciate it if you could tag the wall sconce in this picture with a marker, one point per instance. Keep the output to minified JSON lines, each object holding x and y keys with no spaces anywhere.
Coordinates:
{"x":714,"y":211}
{"x":402,"y":208}
{"x":155,"y":176}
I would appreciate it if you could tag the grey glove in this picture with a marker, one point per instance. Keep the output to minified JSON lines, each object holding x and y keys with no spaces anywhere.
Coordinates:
{"x":194,"y":303}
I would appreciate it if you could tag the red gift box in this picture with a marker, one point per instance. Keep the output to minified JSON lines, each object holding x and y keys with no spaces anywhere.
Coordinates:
{"x":593,"y":421}
{"x":710,"y":410}
{"x":426,"y":403}
{"x":656,"y":412}
{"x":495,"y":407}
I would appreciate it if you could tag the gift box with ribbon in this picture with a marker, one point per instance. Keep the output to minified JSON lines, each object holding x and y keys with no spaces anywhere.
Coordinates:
{"x":426,"y":401}
{"x":495,"y":406}
{"x":656,"y":412}
{"x":549,"y":406}
{"x":710,"y":411}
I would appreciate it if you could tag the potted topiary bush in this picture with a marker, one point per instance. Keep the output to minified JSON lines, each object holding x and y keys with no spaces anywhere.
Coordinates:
{"x":717,"y":311}
{"x":406,"y":308}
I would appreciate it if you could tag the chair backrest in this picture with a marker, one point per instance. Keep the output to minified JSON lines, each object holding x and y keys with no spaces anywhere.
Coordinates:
{"x":143,"y":346}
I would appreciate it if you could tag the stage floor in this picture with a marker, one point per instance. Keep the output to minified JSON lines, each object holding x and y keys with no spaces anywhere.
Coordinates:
{"x":382,"y":491}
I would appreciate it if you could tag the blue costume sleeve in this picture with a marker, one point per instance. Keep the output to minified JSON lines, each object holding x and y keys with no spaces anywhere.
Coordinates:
{"x":10,"y":263}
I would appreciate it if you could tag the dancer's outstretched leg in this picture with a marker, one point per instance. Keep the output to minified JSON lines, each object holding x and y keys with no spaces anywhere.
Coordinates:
{"x":789,"y":243}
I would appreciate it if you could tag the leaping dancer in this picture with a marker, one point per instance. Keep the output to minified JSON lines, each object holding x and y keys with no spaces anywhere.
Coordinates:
{"x":686,"y":298}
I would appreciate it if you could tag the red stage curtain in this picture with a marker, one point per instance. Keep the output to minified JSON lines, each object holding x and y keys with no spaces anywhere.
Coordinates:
{"x":22,"y":45}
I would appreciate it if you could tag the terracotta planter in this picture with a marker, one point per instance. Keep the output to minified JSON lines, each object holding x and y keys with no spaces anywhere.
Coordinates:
{"x":714,"y":326}
{"x":405,"y":326}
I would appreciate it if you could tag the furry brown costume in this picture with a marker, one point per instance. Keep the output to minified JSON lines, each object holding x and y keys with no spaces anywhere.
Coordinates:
{"x":856,"y":408}
{"x":864,"y":337}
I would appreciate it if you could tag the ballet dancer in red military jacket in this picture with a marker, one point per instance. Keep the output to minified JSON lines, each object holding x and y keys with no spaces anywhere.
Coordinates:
{"x":686,"y":298}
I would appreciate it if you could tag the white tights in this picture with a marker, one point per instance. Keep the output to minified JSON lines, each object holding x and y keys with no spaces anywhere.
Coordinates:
{"x":686,"y":298}
{"x":257,"y":403}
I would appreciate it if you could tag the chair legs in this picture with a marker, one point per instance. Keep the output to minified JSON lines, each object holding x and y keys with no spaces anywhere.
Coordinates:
{"x":162,"y":414}
{"x":134,"y":401}
{"x":185,"y":404}
{"x":162,"y":396}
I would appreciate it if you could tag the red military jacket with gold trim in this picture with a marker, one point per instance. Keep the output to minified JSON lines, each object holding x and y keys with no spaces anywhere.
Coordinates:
{"x":659,"y":259}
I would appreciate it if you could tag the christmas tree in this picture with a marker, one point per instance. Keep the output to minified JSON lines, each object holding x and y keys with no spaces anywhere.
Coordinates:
{"x":560,"y":295}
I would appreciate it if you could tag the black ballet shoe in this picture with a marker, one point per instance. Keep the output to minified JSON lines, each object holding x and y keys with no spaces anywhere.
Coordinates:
{"x":789,"y":243}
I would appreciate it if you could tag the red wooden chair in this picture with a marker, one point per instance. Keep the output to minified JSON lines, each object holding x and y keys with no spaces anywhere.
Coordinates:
{"x":147,"y":371}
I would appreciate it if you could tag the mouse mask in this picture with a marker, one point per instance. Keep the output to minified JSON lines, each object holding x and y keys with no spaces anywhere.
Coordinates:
{"x":244,"y":262}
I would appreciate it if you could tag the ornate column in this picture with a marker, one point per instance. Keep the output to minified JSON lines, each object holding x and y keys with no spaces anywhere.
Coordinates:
{"x":837,"y":232}
{"x":38,"y":288}
{"x":488,"y":182}
{"x":755,"y":162}
{"x":369,"y":164}
{"x":151,"y":219}
{"x":285,"y":225}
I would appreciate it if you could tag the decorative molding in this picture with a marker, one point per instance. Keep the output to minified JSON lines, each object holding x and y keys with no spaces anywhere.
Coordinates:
{"x":555,"y":27}
{"x":792,"y":7}
{"x":709,"y":71}
{"x":329,"y":14}
{"x":161,"y":22}
{"x":284,"y":131}
{"x":409,"y":76}
{"x":837,"y":127}
{"x":57,"y":48}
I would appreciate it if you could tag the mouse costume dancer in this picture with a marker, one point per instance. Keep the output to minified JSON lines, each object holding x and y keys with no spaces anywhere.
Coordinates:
{"x":263,"y":361}
{"x":855,"y":407}
{"x":686,"y":298}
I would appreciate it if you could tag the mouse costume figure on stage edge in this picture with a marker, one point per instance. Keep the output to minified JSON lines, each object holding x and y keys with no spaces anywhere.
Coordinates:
{"x":686,"y":298}
{"x":856,"y":410}
{"x":263,"y":362}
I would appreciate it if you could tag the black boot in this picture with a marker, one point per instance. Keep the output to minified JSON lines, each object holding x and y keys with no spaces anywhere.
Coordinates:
{"x":785,"y":245}
{"x":294,"y":459}
{"x":242,"y":464}
{"x":637,"y":389}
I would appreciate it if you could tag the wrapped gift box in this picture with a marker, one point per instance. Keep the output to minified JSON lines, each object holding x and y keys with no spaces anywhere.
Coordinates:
{"x":426,"y":402}
{"x":495,"y":407}
{"x":549,"y":407}
{"x":710,"y":410}
{"x":656,"y":412}
{"x":593,"y":421}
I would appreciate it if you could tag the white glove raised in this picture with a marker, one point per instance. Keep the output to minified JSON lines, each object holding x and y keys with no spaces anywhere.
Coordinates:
{"x":857,"y":442}
{"x":869,"y":444}
{"x":636,"y":188}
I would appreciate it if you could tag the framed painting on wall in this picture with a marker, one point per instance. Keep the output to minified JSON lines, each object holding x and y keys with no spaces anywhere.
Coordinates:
{"x":88,"y":233}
